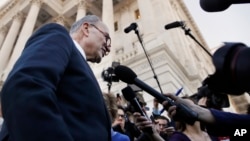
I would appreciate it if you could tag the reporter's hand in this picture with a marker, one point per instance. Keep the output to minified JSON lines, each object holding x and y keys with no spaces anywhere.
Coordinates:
{"x":143,"y":123}
{"x":117,"y":122}
{"x":204,"y":115}
{"x":177,"y":100}
{"x":169,"y":130}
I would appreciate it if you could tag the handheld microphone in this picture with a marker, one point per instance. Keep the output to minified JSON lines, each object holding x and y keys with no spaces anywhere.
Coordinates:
{"x":132,"y":26}
{"x":130,"y":96}
{"x":174,"y":25}
{"x":126,"y":75}
{"x":219,"y":5}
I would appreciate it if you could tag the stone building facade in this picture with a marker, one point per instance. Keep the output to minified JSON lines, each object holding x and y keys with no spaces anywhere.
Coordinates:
{"x":177,"y":60}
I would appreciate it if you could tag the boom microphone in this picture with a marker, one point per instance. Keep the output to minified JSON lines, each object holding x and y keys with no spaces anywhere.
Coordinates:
{"x":219,"y":5}
{"x":174,"y":25}
{"x":126,"y":75}
{"x":132,"y":26}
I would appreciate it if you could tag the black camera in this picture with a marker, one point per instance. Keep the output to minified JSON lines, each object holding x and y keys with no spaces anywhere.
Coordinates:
{"x":214,"y":100}
{"x":231,"y":70}
{"x":108,"y":75}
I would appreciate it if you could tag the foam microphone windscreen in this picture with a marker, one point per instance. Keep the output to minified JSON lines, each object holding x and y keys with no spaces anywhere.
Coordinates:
{"x":214,"y":5}
{"x":125,"y":74}
{"x":219,"y":5}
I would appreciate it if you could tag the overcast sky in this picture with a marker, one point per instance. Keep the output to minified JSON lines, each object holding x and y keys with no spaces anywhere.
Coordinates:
{"x":232,"y":24}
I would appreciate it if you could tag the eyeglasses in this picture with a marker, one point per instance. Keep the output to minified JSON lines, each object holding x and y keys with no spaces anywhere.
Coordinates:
{"x":106,"y":35}
{"x":119,"y":115}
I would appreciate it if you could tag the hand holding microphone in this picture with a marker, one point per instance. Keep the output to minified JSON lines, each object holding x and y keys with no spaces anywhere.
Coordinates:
{"x":126,"y":75}
{"x":130,"y":96}
{"x":204,"y":114}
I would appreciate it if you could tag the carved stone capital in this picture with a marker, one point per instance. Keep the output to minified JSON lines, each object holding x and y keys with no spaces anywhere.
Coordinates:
{"x":19,"y":16}
{"x":82,"y":4}
{"x":36,"y":2}
{"x":124,"y":9}
{"x":8,"y":7}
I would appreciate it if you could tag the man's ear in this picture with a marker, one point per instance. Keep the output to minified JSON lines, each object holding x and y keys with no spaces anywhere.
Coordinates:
{"x":85,"y":29}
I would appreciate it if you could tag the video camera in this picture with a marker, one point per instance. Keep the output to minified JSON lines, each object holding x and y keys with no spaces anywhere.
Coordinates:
{"x":231,"y":70}
{"x":108,"y":75}
{"x":214,"y":99}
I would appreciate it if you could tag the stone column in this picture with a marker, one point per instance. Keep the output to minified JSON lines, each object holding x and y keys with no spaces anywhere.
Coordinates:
{"x":108,"y":19}
{"x":125,"y":22}
{"x":9,"y":41}
{"x":108,"y":14}
{"x":3,"y":32}
{"x":26,"y":31}
{"x":81,"y":11}
{"x":147,"y":16}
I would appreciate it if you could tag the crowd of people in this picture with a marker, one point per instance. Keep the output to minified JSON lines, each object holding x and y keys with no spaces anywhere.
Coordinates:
{"x":52,"y":94}
{"x":164,"y":126}
{"x":123,"y":121}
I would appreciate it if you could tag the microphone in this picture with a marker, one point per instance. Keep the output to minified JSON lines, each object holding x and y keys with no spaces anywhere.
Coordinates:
{"x":219,"y":5}
{"x":174,"y":25}
{"x":126,"y":75}
{"x":130,"y":96}
{"x":132,"y":26}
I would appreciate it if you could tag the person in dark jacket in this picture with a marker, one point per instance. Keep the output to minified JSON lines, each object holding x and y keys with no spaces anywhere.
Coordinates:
{"x":51,"y":92}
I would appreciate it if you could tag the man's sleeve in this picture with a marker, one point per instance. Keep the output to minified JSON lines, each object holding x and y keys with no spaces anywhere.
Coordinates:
{"x":29,"y":101}
{"x":227,"y":123}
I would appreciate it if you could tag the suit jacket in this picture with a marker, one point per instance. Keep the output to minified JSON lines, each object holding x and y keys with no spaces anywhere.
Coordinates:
{"x":52,"y":94}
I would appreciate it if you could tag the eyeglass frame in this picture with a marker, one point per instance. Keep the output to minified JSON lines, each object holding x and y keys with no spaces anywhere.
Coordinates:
{"x":121,"y":115}
{"x":106,"y":35}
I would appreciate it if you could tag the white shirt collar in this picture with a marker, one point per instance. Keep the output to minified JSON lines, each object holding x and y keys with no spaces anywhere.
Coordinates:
{"x":80,"y":49}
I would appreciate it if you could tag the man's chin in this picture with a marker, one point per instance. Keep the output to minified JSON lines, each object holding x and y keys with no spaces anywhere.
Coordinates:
{"x":95,"y":60}
{"x":98,"y":60}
